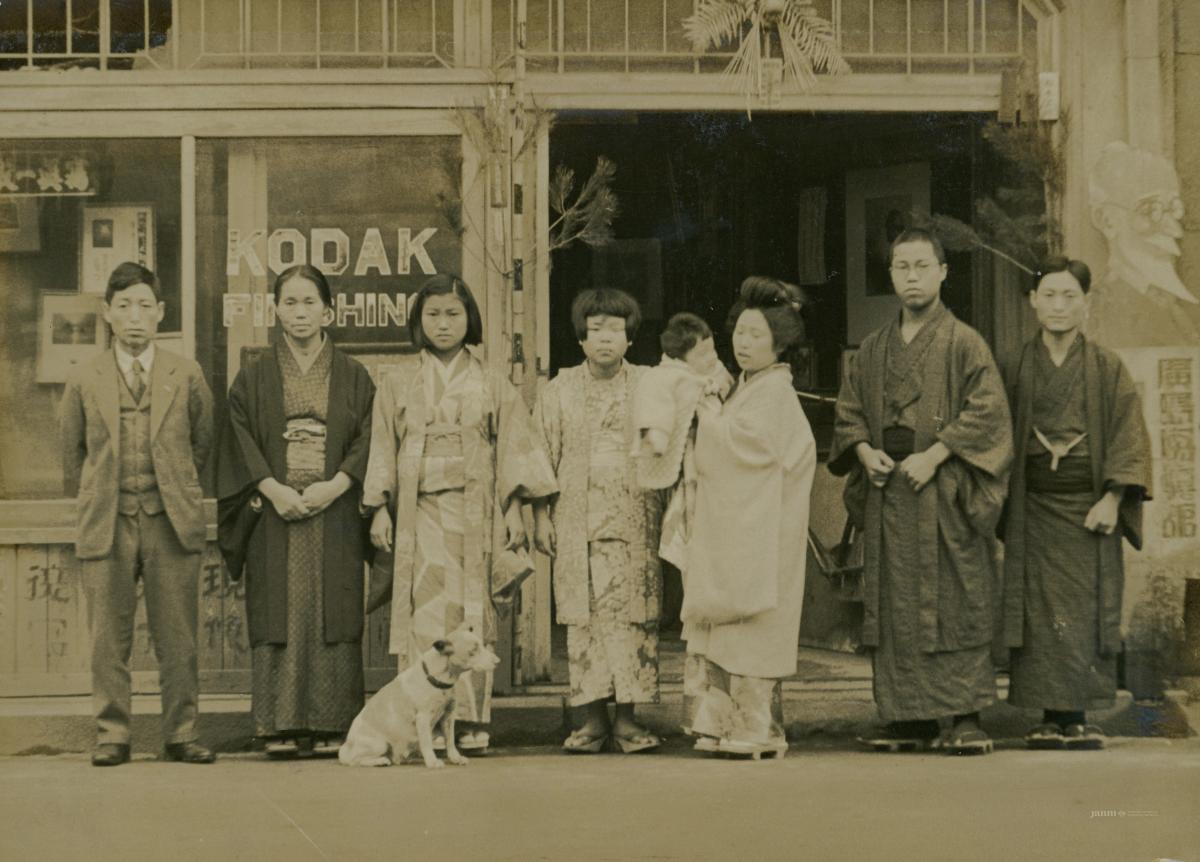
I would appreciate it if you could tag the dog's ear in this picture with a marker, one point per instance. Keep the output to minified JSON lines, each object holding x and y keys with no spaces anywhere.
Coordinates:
{"x":444,"y":647}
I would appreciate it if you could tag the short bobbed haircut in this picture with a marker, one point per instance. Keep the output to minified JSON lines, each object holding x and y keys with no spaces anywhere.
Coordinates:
{"x":608,"y":302}
{"x":918,"y":234}
{"x":684,"y":331}
{"x":129,"y":274}
{"x":309,"y":273}
{"x":441,"y":285}
{"x":780,"y":303}
{"x":1077,"y":268}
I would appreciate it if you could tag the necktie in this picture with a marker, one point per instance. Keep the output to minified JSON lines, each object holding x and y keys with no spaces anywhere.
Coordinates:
{"x":137,"y":384}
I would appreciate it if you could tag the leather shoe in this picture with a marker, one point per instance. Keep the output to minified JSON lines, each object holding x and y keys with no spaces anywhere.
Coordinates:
{"x":110,"y":754}
{"x":189,"y":752}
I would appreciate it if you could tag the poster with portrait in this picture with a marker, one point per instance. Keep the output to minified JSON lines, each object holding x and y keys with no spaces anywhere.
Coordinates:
{"x":111,"y":235}
{"x":879,"y":205}
{"x":71,"y":330}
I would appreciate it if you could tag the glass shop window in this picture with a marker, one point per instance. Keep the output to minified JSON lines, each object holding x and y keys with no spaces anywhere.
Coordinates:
{"x":70,"y":211}
{"x":376,"y":215}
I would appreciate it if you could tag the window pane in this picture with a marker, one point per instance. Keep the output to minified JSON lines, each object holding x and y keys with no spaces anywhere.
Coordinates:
{"x":375,"y":215}
{"x":69,"y":212}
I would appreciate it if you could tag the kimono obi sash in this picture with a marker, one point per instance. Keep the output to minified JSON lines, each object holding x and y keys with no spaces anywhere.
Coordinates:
{"x":899,"y":442}
{"x":305,"y":438}
{"x":1072,"y":475}
{"x":442,"y":463}
{"x":1073,"y":444}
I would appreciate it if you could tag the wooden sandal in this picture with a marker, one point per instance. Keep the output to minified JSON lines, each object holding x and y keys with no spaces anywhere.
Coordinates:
{"x":474,"y":742}
{"x":752,"y":750}
{"x":583,"y":743}
{"x":1045,"y":737}
{"x":635,"y":742}
{"x":1083,"y":737}
{"x":968,"y":739}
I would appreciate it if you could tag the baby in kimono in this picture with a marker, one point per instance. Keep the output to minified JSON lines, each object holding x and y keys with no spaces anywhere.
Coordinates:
{"x":664,"y":408}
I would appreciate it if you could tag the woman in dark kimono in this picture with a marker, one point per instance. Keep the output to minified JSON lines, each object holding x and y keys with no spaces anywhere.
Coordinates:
{"x":295,"y":450}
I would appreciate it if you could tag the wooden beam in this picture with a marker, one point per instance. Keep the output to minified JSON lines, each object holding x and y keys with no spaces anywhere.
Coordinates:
{"x":225,"y":124}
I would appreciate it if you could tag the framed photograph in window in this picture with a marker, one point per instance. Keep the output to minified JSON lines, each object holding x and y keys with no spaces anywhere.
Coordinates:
{"x":111,"y":235}
{"x":71,"y":331}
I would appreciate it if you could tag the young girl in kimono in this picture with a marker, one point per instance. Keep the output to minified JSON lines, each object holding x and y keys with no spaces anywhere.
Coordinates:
{"x":289,"y":468}
{"x":744,"y":577}
{"x":602,"y":528}
{"x":452,"y":458}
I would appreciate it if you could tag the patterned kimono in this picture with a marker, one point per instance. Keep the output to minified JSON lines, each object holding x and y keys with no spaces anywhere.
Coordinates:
{"x":928,"y":576}
{"x":607,"y":581}
{"x":451,"y":447}
{"x":743,"y":587}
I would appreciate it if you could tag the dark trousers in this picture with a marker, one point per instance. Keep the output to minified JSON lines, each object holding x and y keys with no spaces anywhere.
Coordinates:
{"x":144,"y":546}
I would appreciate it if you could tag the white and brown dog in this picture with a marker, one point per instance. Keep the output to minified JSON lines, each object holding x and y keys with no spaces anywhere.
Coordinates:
{"x":401,"y":717}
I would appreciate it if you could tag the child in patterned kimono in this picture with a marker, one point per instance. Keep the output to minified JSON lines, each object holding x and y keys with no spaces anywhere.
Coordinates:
{"x":453,"y":456}
{"x":664,"y":413}
{"x":602,"y":528}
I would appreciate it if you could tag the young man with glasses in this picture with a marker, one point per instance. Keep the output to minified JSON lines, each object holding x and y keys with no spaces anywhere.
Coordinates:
{"x":922,"y":429}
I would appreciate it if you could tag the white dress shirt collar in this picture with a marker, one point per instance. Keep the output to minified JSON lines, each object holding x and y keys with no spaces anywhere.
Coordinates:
{"x":125,"y":360}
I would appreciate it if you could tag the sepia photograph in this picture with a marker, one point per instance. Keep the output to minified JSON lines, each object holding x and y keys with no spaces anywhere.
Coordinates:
{"x":595,"y":430}
{"x":72,"y":332}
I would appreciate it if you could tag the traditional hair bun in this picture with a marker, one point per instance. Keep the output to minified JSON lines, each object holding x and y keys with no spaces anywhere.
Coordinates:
{"x":759,"y":291}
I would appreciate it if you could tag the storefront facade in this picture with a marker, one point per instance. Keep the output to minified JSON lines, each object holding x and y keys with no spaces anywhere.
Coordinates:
{"x":222,"y":140}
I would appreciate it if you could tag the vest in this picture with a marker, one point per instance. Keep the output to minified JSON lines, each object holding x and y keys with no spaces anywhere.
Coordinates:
{"x":137,"y":483}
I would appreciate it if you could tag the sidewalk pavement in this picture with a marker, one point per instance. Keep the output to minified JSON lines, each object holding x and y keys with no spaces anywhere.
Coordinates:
{"x":1135,"y":802}
{"x":822,"y":709}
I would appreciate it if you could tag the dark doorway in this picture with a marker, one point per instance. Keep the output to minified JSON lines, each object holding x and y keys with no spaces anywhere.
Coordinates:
{"x":709,"y":198}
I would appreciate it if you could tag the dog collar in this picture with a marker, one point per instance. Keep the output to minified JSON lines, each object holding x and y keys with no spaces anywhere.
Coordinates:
{"x":434,"y":681}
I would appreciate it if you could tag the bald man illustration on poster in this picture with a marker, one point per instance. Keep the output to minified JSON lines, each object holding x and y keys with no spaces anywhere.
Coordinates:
{"x":1134,"y":199}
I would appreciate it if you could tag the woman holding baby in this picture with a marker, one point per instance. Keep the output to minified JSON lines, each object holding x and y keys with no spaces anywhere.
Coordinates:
{"x":453,"y":456}
{"x":755,"y":457}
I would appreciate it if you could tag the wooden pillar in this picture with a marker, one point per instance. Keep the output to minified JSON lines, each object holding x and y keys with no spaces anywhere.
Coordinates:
{"x":248,"y":211}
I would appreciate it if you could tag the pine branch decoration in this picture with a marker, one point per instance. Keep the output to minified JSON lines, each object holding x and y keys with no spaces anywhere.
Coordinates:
{"x":590,"y":216}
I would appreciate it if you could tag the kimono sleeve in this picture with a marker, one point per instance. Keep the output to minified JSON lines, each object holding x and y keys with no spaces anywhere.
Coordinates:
{"x":523,"y":468}
{"x":379,"y":481}
{"x":1127,"y":452}
{"x":547,"y":425}
{"x":357,"y":457}
{"x":654,"y":400}
{"x":744,"y":437}
{"x":981,"y":433}
{"x":850,"y":420}
{"x":1127,"y":447}
{"x":241,"y":463}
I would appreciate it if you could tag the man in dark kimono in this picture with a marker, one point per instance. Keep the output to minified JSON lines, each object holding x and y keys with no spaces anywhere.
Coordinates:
{"x":1082,"y":472}
{"x":922,"y":427}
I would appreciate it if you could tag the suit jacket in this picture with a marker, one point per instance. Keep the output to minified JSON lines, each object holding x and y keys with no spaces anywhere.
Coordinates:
{"x":180,"y":440}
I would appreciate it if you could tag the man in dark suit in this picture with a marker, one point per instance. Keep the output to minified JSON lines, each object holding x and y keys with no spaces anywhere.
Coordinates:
{"x":136,"y":430}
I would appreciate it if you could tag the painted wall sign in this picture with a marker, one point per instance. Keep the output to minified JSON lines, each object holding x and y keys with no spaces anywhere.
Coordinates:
{"x":330,"y":250}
